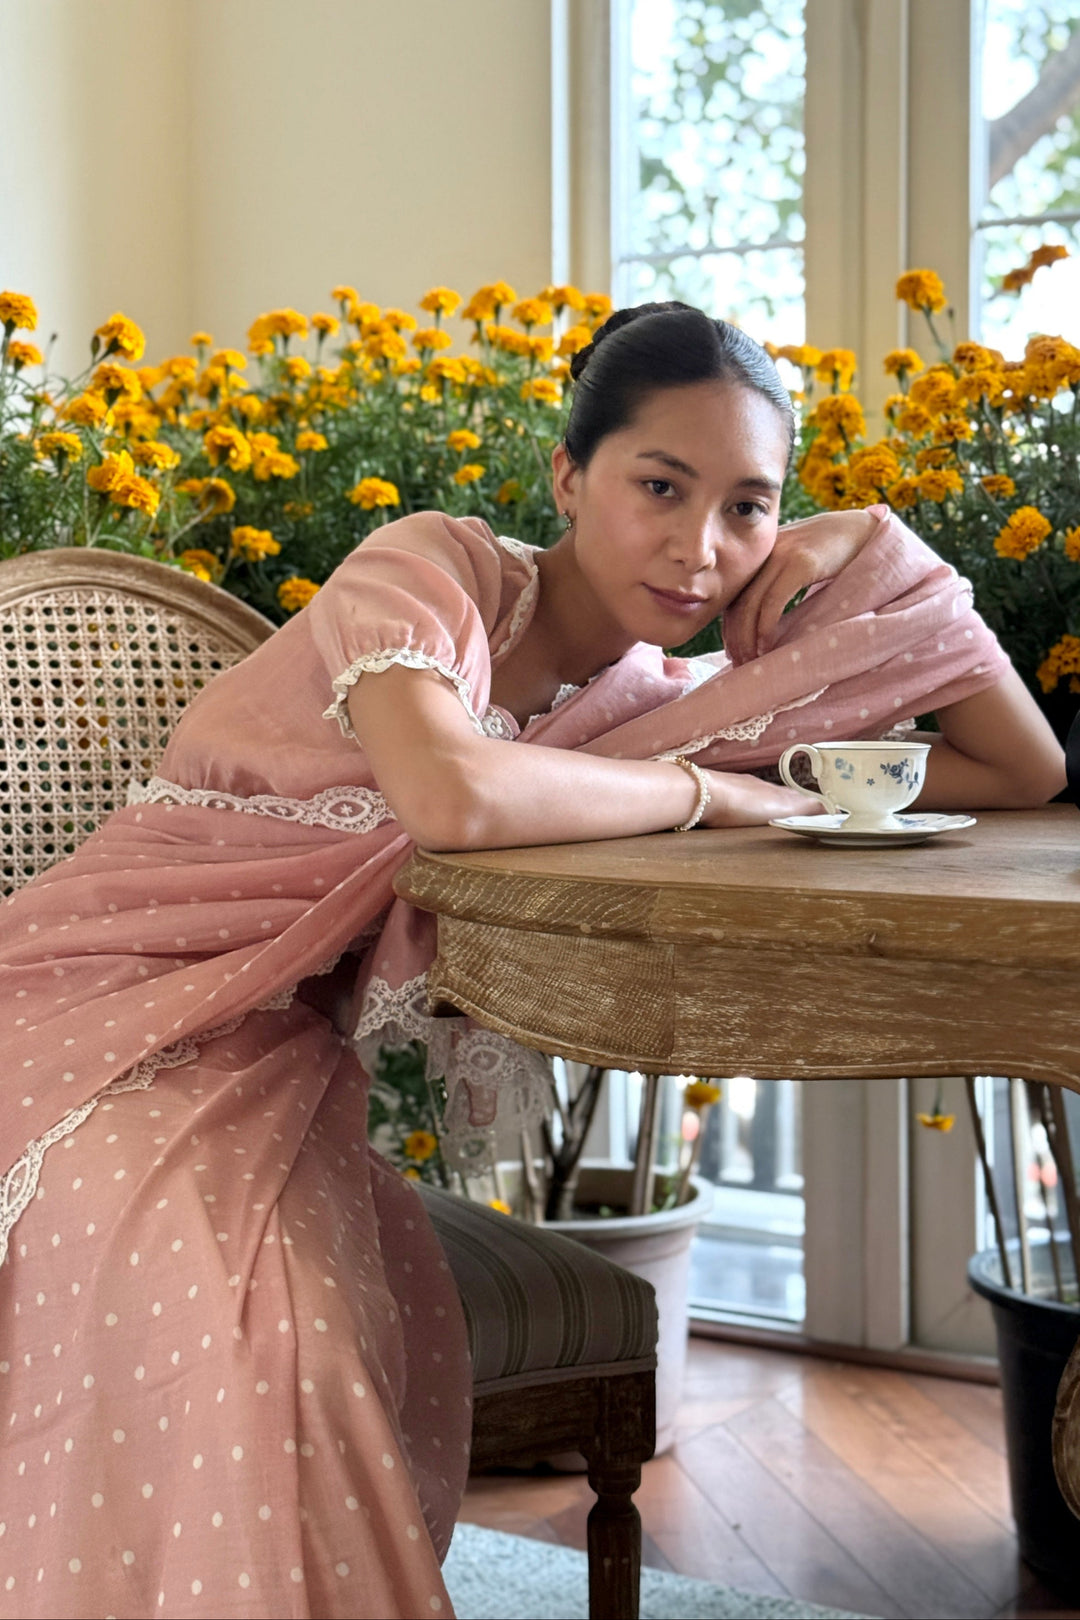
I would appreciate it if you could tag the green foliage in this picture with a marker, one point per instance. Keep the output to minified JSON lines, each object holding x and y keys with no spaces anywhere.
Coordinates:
{"x":403,"y":1108}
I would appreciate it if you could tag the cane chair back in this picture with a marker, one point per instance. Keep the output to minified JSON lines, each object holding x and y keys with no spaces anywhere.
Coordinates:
{"x":102,"y":653}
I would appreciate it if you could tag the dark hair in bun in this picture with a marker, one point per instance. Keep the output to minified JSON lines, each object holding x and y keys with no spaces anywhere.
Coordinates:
{"x":652,"y":346}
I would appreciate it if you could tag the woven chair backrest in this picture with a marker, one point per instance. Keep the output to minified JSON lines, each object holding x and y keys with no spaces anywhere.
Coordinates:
{"x":102,"y":653}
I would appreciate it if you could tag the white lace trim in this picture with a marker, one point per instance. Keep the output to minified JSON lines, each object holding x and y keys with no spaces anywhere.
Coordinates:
{"x":512,"y":1078}
{"x":343,"y":809}
{"x":526,"y":554}
{"x":374,"y":664}
{"x":495,"y":725}
{"x":700,"y":672}
{"x":743,"y":730}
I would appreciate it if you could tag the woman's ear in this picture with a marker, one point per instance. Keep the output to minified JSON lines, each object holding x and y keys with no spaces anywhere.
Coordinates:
{"x":564,"y":479}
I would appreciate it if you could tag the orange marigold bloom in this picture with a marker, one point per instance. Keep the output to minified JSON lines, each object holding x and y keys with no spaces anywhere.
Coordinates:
{"x":899,"y":361}
{"x":938,"y":483}
{"x":440,"y":300}
{"x":1062,"y":659}
{"x":136,"y":492}
{"x":532,"y":312}
{"x":446,"y":369}
{"x":598,"y":306}
{"x":463,"y":439}
{"x":121,"y":336}
{"x":345,"y":295}
{"x":544,"y":389}
{"x":295,"y":593}
{"x":934,"y":390}
{"x":253,"y":544}
{"x":24,"y":354}
{"x":468,"y":474}
{"x":937,"y":1122}
{"x":201,"y":340}
{"x":214,"y":495}
{"x":836,"y":366}
{"x":154,"y":453}
{"x":372,"y":492}
{"x":701,"y":1094}
{"x":921,"y":289}
{"x":841,"y":412}
{"x":541,"y":349}
{"x":509,"y":492}
{"x":85,"y":410}
{"x":310,"y":440}
{"x":561,"y":298}
{"x":274,"y":464}
{"x":1023,"y":533}
{"x":203,"y":564}
{"x":999,"y":485}
{"x":902,"y":494}
{"x":573,"y":340}
{"x":399,"y":319}
{"x":325,"y":325}
{"x":17,"y":312}
{"x":420,"y":1145}
{"x":60,"y":446}
{"x":106,"y":473}
{"x":803,"y":355}
{"x":971,"y":356}
{"x":110,"y":378}
{"x":426,"y":338}
{"x":227,"y":444}
{"x":297,"y":369}
{"x":1072,"y":545}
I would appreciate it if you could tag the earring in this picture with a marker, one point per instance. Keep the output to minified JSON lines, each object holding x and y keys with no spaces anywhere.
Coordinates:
{"x":568,"y":522}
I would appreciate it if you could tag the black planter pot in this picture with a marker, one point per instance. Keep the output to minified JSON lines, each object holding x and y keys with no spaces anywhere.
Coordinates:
{"x":1035,"y":1338}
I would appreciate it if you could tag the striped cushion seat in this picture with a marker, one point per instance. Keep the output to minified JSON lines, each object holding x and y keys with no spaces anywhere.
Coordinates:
{"x":538,"y":1306}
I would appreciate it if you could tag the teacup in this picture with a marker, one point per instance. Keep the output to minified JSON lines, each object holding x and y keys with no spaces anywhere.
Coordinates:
{"x":866,"y":781}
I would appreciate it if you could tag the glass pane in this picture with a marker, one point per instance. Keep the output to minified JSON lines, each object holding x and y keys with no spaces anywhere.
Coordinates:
{"x":712,"y":149}
{"x":1031,"y":129}
{"x":763,"y":292}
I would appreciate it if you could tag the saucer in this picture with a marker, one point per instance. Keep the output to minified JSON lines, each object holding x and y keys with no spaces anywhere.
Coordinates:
{"x":913,"y":829}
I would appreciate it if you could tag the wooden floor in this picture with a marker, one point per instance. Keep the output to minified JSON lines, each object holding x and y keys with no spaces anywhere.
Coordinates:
{"x":853,"y":1487}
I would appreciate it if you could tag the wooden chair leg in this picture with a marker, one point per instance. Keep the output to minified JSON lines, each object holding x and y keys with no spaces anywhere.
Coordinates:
{"x":614,"y":1541}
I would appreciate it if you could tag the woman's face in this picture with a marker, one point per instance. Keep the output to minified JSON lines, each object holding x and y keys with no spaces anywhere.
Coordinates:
{"x":677,"y":511}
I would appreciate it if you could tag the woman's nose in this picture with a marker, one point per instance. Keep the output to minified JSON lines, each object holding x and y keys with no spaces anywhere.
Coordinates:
{"x":696,"y":544}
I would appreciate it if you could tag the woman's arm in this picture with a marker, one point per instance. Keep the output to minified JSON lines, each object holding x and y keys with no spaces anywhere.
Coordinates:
{"x":995,"y":752}
{"x":451,"y":788}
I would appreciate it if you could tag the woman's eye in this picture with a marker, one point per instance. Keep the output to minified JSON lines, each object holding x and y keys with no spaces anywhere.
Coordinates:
{"x":660,"y":486}
{"x":751,"y":509}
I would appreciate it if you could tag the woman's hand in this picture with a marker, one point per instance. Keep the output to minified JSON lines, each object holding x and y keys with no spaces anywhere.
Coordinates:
{"x":805,"y":553}
{"x":745,"y":801}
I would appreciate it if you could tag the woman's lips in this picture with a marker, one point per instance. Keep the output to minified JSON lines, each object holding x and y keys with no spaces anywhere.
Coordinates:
{"x":675,"y":603}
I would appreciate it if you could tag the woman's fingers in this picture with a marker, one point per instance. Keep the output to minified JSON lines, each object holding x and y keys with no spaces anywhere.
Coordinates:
{"x":746,"y":801}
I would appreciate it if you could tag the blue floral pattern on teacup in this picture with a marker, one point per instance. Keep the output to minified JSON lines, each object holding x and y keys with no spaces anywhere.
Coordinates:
{"x":900,"y":770}
{"x":844,"y":768}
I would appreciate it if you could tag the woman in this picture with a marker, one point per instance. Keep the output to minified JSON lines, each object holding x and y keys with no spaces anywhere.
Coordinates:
{"x":234,"y":1366}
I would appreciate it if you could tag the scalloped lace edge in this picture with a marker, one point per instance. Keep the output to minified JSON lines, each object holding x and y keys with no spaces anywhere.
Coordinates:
{"x":743,"y":730}
{"x":342,"y":809}
{"x":374,"y":664}
{"x":524,"y":553}
{"x":19,"y":1185}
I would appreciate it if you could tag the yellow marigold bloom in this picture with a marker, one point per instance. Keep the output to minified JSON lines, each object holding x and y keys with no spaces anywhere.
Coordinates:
{"x":297,"y":369}
{"x":411,"y":1173}
{"x":429,"y":394}
{"x":136,"y":492}
{"x":110,"y":378}
{"x":507,"y":339}
{"x":274,"y":464}
{"x":984,"y":383}
{"x":345,"y":295}
{"x":201,"y":340}
{"x":183,"y":368}
{"x":701,"y":1094}
{"x":573,"y":340}
{"x":440,"y":301}
{"x":253,"y":544}
{"x":399,"y":319}
{"x":260,"y":337}
{"x":445,"y":369}
{"x":60,"y":446}
{"x":894,"y":403}
{"x":902,"y":494}
{"x":426,"y":338}
{"x":561,"y":298}
{"x":503,"y":293}
{"x":310,"y":440}
{"x":914,"y":420}
{"x":899,"y":361}
{"x":934,"y":455}
{"x":372,"y":492}
{"x":1062,"y":659}
{"x":325,"y":325}
{"x":922,"y":289}
{"x":803,"y":355}
{"x":409,"y":366}
{"x":153,"y":453}
{"x":937,"y":1122}
{"x":598,"y":306}
{"x":203,"y":564}
{"x":420,"y":1145}
{"x":386,"y":345}
{"x":999,"y":485}
{"x":953,"y":429}
{"x":561,"y":371}
{"x":468,"y":474}
{"x":541,"y":349}
{"x":509,"y":492}
{"x":214,"y":495}
{"x":1072,"y":545}
{"x":500,"y":1206}
{"x":17,"y":312}
{"x":229,"y":357}
{"x":481,"y":306}
{"x":841,"y":412}
{"x":24,"y":354}
{"x":106,"y":473}
{"x":934,"y":390}
{"x":937,"y":483}
{"x":873,"y":468}
{"x":1023,"y":533}
{"x":972,"y":356}
{"x":532,"y":312}
{"x":121,"y":336}
{"x":286,"y":323}
{"x":836,"y":366}
{"x":227,"y":444}
{"x":298,"y":509}
{"x":366,"y":315}
{"x":1057,"y":358}
{"x":295,"y":593}
{"x":463,"y":439}
{"x":544,"y":389}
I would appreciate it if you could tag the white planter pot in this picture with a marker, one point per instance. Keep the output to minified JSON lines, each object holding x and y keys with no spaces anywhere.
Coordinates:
{"x":655,"y":1247}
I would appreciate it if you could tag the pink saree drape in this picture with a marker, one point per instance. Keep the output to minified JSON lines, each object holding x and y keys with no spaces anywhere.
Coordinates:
{"x":233,"y":1369}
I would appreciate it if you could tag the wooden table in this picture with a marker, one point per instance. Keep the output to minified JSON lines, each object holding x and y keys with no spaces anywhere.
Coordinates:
{"x":755,"y":953}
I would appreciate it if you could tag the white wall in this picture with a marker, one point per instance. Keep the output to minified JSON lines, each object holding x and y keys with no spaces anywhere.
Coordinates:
{"x":194,"y":162}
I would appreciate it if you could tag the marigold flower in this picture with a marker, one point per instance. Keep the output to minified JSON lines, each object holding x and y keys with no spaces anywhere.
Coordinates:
{"x":136,"y":492}
{"x":544,"y":389}
{"x":325,"y":325}
{"x":17,"y":312}
{"x":573,"y":340}
{"x":872,"y":469}
{"x":532,"y":312}
{"x":561,"y":298}
{"x":153,"y":453}
{"x":1062,"y":659}
{"x":227,"y":444}
{"x":399,"y":319}
{"x":500,"y":1206}
{"x":111,"y":379}
{"x":953,"y":430}
{"x":345,"y":295}
{"x":937,"y":1122}
{"x":836,"y":366}
{"x":598,"y":307}
{"x":386,"y":345}
{"x":203,"y":564}
{"x":463,"y":439}
{"x":298,"y":509}
{"x":972,"y":356}
{"x":541,"y":349}
{"x":295,"y":593}
{"x":984,"y":383}
{"x":481,"y":306}
{"x":841,"y":412}
{"x":201,"y":340}
{"x":999,"y":485}
{"x":60,"y":446}
{"x":938,"y":483}
{"x":510,"y":492}
{"x":107,"y":472}
{"x":121,"y":336}
{"x":372,"y":492}
{"x":226,"y":358}
{"x":922,"y":289}
{"x":701,"y":1094}
{"x":445,"y":369}
{"x":934,"y":390}
{"x":214,"y":495}
{"x":24,"y":354}
{"x":420,"y":1145}
{"x":507,"y":339}
{"x":914,"y":420}
{"x":902,"y":494}
{"x":253,"y":544}
{"x":899,"y":361}
{"x":426,"y":338}
{"x":274,"y":464}
{"x":803,"y":355}
{"x":440,"y":301}
{"x":1072,"y":545}
{"x":310,"y":440}
{"x":468,"y":474}
{"x":1023,"y":533}
{"x":366,"y":316}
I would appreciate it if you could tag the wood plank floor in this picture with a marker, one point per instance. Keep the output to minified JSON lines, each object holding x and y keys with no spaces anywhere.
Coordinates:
{"x":853,"y":1487}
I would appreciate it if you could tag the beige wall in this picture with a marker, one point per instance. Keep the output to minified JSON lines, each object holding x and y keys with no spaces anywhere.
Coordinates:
{"x":194,"y":162}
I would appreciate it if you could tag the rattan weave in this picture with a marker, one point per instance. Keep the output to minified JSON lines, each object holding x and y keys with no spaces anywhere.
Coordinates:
{"x":101,"y":653}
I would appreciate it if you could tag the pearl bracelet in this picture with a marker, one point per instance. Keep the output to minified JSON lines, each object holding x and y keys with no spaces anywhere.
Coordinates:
{"x":704,"y":797}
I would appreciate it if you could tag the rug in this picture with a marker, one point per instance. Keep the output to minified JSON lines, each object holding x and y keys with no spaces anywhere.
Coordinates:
{"x":493,"y":1576}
